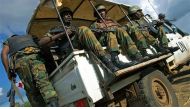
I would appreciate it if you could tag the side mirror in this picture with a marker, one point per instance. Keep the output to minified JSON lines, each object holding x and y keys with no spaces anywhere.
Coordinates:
{"x":174,"y":29}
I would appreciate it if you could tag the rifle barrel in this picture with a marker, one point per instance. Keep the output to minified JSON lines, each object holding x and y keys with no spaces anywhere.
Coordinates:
{"x":126,"y":15}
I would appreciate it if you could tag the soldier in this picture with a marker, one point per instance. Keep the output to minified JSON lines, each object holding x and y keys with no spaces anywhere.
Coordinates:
{"x":81,"y":37}
{"x":161,"y":34}
{"x":26,"y":61}
{"x":139,"y":32}
{"x":114,"y":34}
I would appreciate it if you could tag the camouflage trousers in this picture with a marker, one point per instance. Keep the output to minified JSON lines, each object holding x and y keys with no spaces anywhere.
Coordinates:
{"x":126,"y":42}
{"x":89,"y":41}
{"x":32,"y":72}
{"x":118,"y":36}
{"x":143,"y":38}
{"x":162,"y":37}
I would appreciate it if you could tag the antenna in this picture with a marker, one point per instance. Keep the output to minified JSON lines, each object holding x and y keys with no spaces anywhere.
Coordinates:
{"x":152,"y":7}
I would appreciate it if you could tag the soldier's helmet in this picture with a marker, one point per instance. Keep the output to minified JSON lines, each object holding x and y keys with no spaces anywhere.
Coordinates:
{"x":98,"y":8}
{"x":161,"y":16}
{"x":134,"y":9}
{"x":63,"y":10}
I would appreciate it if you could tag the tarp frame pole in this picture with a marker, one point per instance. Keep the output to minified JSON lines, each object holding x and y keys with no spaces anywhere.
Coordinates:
{"x":54,"y":3}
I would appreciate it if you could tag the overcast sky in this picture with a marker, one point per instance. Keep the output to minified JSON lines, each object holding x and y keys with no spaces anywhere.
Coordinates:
{"x":15,"y":15}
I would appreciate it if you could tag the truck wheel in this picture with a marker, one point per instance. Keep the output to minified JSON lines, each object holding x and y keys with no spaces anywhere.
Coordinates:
{"x":154,"y":90}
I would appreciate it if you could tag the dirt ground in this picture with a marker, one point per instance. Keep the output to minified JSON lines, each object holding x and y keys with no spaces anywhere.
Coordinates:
{"x":181,"y":85}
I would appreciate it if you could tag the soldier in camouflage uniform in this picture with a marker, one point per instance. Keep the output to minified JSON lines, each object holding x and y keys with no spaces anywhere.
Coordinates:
{"x":160,"y":30}
{"x":28,"y":64}
{"x":140,"y":34}
{"x":113,"y":35}
{"x":81,"y":37}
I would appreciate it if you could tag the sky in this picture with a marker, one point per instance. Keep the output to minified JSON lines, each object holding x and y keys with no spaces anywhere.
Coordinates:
{"x":15,"y":15}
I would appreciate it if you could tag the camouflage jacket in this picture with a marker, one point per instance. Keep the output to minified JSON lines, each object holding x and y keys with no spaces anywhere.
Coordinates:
{"x":100,"y":25}
{"x":137,"y":25}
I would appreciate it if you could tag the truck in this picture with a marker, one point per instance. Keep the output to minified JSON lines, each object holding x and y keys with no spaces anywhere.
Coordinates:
{"x":81,"y":79}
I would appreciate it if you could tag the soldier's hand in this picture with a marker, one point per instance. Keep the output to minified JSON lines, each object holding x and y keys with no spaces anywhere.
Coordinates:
{"x":11,"y":74}
{"x":69,"y":31}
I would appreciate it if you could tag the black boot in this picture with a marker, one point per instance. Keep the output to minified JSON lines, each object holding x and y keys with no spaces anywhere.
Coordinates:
{"x":107,"y":61}
{"x":172,"y":49}
{"x":160,"y":49}
{"x":139,"y":58}
{"x":118,"y":63}
{"x":53,"y":102}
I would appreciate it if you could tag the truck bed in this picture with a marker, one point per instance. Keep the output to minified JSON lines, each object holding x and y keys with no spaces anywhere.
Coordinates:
{"x":82,"y":75}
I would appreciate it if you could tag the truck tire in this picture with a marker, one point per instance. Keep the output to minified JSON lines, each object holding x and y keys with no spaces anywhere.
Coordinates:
{"x":155,"y":90}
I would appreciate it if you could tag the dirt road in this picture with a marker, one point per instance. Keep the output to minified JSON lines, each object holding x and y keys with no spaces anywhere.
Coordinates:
{"x":181,"y":86}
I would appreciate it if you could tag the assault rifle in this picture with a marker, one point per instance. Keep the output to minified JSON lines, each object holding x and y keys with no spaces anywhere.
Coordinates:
{"x":58,"y":30}
{"x":102,"y":30}
{"x":11,"y":92}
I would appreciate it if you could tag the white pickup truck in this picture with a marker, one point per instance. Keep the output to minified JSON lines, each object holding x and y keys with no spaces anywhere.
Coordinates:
{"x":83,"y":80}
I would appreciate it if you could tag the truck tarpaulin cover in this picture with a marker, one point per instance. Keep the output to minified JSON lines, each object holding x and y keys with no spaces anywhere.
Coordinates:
{"x":45,"y":15}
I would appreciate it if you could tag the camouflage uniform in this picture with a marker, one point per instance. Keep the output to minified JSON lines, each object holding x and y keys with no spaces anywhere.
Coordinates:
{"x":82,"y":37}
{"x":140,"y":33}
{"x":116,"y":34}
{"x":161,"y":33}
{"x":85,"y":38}
{"x":162,"y":36}
{"x":31,"y":70}
{"x":88,"y":39}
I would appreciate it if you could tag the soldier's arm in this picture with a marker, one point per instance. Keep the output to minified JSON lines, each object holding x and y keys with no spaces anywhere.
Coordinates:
{"x":48,"y":41}
{"x":4,"y":57}
{"x":93,"y":26}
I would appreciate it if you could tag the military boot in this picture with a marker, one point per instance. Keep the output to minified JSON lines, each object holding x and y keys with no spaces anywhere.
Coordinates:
{"x":160,"y":49}
{"x":107,"y":61}
{"x":118,"y":63}
{"x":172,"y":49}
{"x":53,"y":102}
{"x":139,"y":58}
